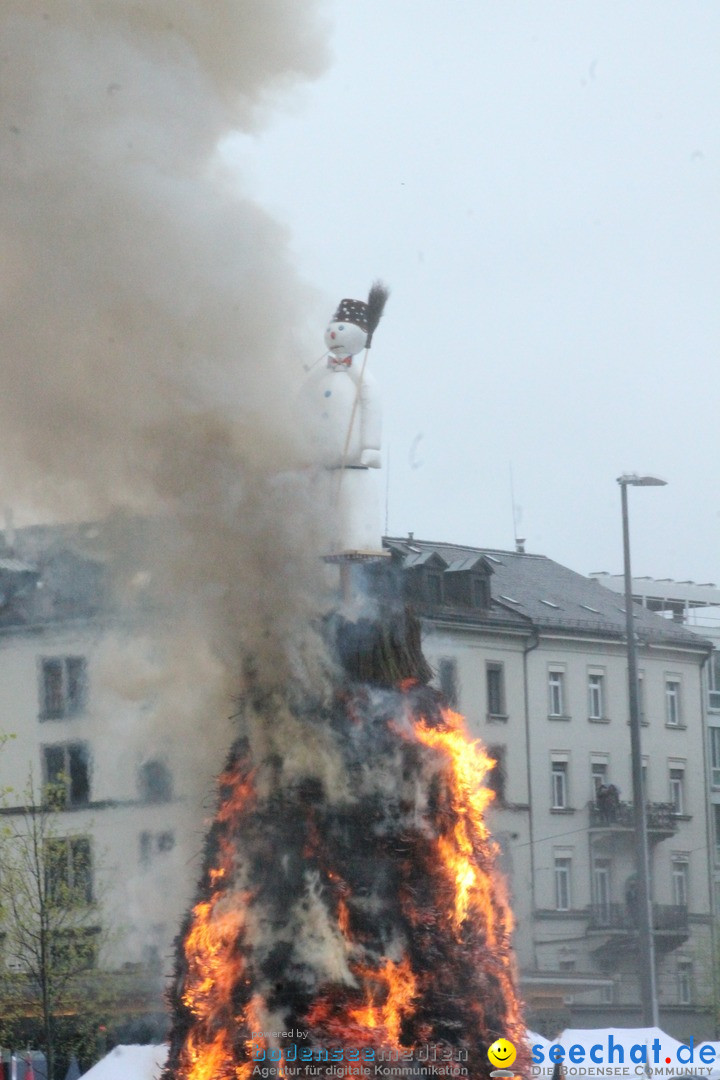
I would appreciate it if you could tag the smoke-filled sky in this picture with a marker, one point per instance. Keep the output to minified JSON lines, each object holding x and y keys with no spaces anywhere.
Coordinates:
{"x":538,"y":183}
{"x":143,"y":366}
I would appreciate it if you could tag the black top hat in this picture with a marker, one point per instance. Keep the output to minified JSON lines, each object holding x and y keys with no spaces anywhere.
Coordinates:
{"x":365,"y":315}
{"x":352,"y":311}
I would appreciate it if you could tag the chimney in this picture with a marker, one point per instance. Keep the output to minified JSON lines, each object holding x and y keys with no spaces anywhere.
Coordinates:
{"x":520,"y":545}
{"x":9,"y":529}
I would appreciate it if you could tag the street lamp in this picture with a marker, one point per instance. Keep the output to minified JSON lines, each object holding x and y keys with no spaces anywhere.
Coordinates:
{"x":645,"y":924}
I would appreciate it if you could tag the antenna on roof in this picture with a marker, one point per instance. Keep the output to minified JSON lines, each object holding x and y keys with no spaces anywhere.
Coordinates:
{"x":387,"y":492}
{"x":516,"y":515}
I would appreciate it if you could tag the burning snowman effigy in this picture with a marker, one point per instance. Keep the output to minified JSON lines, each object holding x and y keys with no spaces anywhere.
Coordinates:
{"x":341,"y":414}
{"x":350,"y":914}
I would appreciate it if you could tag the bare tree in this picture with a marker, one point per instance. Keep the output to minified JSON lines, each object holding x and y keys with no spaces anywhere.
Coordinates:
{"x":50,"y":917}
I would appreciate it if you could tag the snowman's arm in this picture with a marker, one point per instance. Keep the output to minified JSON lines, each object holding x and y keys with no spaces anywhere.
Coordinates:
{"x":370,"y":410}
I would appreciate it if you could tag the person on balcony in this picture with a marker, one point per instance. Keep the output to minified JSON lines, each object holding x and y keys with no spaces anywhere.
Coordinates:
{"x":613,"y":801}
{"x":602,"y":803}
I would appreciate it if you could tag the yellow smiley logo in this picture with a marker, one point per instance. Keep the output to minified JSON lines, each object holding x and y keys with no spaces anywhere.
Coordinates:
{"x":502,"y":1053}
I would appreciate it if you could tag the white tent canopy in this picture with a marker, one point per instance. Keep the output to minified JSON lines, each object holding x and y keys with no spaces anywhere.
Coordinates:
{"x":631,"y":1042}
{"x":546,"y":1069}
{"x":624,"y":1037}
{"x":130,"y":1063}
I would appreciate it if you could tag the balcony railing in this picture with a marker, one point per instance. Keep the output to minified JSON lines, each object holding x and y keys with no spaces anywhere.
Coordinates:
{"x":671,"y":918}
{"x":661,"y":817}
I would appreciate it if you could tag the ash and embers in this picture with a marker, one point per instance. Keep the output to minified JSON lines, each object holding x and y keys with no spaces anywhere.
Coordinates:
{"x":349,"y":892}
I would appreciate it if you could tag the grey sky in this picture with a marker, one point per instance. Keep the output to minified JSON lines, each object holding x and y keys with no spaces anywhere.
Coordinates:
{"x":538,"y":183}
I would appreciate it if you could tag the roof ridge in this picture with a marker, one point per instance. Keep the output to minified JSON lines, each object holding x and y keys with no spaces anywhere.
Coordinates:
{"x":464,"y":547}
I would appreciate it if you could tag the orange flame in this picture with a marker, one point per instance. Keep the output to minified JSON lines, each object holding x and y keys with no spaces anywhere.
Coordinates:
{"x":466,"y":852}
{"x":343,"y":918}
{"x":397,"y":985}
{"x":215,"y":964}
{"x":465,"y":847}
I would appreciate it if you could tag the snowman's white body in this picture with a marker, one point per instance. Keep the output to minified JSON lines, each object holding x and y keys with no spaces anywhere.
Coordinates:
{"x":339,"y":438}
{"x":342,"y":414}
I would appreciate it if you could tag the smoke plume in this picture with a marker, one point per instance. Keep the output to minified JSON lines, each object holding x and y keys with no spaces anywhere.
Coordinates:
{"x":153,"y":337}
{"x":153,"y":329}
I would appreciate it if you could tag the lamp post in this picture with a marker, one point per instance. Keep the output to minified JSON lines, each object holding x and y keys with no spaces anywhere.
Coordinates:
{"x":644,"y":914}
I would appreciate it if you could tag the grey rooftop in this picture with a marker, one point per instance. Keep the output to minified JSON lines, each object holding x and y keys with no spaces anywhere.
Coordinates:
{"x":541,"y":593}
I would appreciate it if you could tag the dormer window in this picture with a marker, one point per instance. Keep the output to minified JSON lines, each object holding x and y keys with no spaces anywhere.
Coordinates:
{"x":434,"y":586}
{"x":467,"y":582}
{"x":480,"y":591}
{"x":463,"y":582}
{"x":425,"y":581}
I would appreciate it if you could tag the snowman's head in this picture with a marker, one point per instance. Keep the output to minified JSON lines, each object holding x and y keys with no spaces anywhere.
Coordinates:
{"x":344,"y":339}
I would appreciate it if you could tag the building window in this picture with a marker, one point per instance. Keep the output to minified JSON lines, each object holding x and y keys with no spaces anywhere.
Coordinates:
{"x":716,"y":823}
{"x":563,"y":894}
{"x":146,"y":847}
{"x":480,"y":592}
{"x":677,"y":790}
{"x":495,"y":779}
{"x":559,"y":778}
{"x":601,"y":891}
{"x":598,"y":776}
{"x":673,"y":716}
{"x":495,"y":676}
{"x":448,"y":680}
{"x":152,"y":844}
{"x":63,"y":684}
{"x":165,"y":841}
{"x":714,"y":681}
{"x":155,"y":782}
{"x":74,"y":950}
{"x":596,"y":697}
{"x":68,"y":871}
{"x":715,"y":756}
{"x":567,"y":967}
{"x":434,"y":586}
{"x":556,"y":690}
{"x":680,"y":881}
{"x":66,"y":774}
{"x":685,"y":982}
